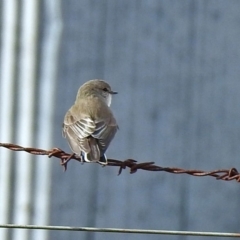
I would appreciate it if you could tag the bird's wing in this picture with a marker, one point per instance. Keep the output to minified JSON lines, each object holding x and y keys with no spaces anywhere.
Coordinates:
{"x":104,"y":132}
{"x":77,"y":130}
{"x":82,"y":127}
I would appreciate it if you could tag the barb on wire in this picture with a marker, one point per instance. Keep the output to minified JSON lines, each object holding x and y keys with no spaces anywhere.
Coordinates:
{"x":133,"y":165}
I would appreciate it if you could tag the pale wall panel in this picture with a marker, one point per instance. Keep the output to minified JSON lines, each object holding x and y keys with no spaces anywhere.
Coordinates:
{"x":175,"y":65}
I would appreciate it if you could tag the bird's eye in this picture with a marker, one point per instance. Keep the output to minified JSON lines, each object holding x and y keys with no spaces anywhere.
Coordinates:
{"x":105,"y":89}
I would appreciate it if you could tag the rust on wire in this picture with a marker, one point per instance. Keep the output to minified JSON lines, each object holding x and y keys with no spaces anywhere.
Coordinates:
{"x":133,"y":165}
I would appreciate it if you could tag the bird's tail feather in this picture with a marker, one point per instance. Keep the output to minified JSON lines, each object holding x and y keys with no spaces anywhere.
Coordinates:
{"x":94,"y":153}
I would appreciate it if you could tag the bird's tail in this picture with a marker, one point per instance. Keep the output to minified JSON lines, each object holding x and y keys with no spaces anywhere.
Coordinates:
{"x":94,"y":154}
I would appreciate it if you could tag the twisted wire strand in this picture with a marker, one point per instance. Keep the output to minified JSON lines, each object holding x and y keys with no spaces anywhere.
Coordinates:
{"x":133,"y":165}
{"x":121,"y":230}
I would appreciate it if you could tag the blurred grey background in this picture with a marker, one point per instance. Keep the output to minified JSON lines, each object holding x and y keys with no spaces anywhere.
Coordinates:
{"x":176,"y":66}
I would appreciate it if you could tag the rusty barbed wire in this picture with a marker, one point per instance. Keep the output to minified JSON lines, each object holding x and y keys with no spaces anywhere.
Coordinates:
{"x":133,"y":165}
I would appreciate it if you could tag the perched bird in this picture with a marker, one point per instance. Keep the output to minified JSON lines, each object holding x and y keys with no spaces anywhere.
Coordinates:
{"x":89,"y":125}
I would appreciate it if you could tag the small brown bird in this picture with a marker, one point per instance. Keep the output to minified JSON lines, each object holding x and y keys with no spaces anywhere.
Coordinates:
{"x":89,"y":125}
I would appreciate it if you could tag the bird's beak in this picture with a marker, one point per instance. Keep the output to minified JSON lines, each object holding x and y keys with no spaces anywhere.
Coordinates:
{"x":112,"y":92}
